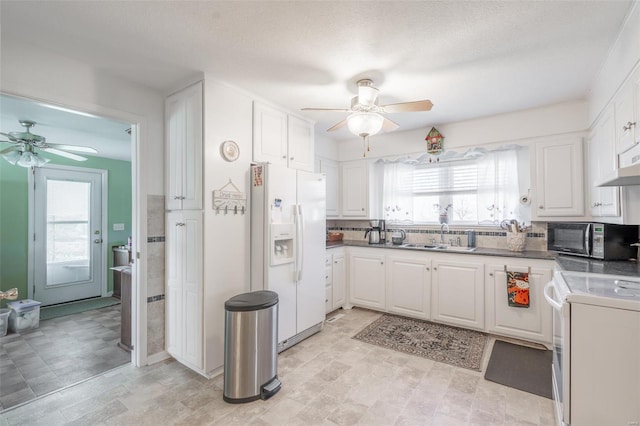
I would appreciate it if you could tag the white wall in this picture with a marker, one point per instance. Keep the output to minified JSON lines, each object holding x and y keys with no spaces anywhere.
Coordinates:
{"x":30,"y":72}
{"x":568,"y":117}
{"x":325,"y":147}
{"x":623,"y":57}
{"x":228,"y":116}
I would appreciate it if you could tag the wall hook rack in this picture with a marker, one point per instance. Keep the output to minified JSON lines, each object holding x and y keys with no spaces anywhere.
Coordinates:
{"x":229,"y":199}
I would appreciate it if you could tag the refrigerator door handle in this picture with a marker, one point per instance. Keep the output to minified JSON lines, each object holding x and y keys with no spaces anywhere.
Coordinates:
{"x":300,"y":239}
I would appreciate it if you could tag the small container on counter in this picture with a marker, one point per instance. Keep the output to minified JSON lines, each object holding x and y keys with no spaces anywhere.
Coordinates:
{"x":471,"y":238}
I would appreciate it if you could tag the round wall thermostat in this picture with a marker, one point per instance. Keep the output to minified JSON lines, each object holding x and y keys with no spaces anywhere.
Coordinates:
{"x":229,"y":150}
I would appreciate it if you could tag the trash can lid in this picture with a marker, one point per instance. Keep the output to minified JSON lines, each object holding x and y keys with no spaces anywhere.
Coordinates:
{"x":23,"y":304}
{"x":253,"y":301}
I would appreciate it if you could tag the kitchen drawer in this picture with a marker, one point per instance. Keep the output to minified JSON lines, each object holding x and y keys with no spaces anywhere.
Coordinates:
{"x":328,"y":275}
{"x":328,"y":304}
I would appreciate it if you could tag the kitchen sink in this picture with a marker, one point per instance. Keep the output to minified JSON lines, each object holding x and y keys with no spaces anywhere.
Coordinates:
{"x":421,"y":246}
{"x":442,"y":247}
{"x":458,"y":248}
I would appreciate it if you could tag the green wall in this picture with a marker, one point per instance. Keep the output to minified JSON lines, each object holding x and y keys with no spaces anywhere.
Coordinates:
{"x":14,"y":215}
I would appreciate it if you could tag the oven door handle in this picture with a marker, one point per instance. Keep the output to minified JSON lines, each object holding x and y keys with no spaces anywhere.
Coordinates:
{"x":548,"y":294}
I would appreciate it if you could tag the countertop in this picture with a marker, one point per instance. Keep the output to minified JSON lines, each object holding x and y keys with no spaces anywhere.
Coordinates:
{"x":527,"y":254}
{"x":610,"y":267}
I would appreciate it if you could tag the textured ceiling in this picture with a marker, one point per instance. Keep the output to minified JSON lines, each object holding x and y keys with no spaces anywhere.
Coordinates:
{"x":471,"y":59}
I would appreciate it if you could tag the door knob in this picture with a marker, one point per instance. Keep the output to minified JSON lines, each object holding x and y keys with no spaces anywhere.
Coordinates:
{"x":97,"y":240}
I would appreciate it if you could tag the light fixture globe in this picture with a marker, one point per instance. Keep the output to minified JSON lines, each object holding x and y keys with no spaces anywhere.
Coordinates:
{"x":365,"y":124}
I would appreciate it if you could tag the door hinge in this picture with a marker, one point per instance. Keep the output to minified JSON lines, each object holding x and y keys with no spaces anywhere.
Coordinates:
{"x":34,"y":237}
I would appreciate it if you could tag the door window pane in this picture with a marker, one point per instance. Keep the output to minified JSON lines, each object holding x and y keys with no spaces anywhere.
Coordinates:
{"x":68,"y":231}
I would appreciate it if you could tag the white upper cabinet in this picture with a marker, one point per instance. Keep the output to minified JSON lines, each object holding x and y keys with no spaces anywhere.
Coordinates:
{"x":183,"y":129}
{"x":602,"y":162}
{"x":281,"y":138}
{"x":625,"y":117}
{"x":300,"y":144}
{"x":355,"y":189}
{"x":559,"y":178}
{"x":605,"y":201}
{"x":331,"y":170}
{"x":269,"y":134}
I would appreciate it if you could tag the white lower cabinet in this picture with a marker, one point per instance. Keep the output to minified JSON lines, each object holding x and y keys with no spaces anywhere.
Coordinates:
{"x":465,"y":290}
{"x":409,"y":286}
{"x":532,"y":323}
{"x":339,"y":278}
{"x":367,"y":279}
{"x":458,"y":293}
{"x":336,"y":279}
{"x":184,"y":287}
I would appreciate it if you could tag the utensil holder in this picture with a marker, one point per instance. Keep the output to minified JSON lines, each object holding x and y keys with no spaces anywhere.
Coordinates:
{"x":516,"y":241}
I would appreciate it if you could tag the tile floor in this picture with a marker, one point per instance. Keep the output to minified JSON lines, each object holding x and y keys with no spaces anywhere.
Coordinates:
{"x":62,"y":351}
{"x":327,"y":379}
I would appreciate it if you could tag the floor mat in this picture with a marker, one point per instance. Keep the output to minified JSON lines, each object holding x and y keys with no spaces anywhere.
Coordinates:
{"x":56,"y":311}
{"x":521,"y":367}
{"x":438,"y":342}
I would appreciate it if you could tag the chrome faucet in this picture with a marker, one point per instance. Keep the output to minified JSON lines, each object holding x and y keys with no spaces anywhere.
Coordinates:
{"x":444,"y":225}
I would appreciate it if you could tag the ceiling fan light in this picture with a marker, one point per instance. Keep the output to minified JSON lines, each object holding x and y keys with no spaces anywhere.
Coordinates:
{"x":31,"y":159}
{"x":12,"y":157}
{"x":365,"y":123}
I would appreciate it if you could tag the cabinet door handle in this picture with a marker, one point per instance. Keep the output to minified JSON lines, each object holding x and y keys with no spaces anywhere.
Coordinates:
{"x":291,"y":158}
{"x":180,"y":224}
{"x":284,"y":157}
{"x":490,"y":274}
{"x":427,"y":268}
{"x":541,"y":206}
{"x":435,"y":269}
{"x":363,"y":209}
{"x":177,"y":197}
{"x":381,"y":262}
{"x":628,"y":126}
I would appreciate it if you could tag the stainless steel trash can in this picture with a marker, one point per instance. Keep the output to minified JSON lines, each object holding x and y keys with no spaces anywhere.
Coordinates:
{"x":250,"y":347}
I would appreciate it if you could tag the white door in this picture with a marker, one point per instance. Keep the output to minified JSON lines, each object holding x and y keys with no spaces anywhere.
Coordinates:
{"x":68,"y":241}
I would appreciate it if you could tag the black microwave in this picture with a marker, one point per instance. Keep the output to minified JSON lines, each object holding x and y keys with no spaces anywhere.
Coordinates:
{"x":597,"y":240}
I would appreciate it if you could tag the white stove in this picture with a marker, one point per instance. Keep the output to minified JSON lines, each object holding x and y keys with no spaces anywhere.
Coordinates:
{"x":613,"y":291}
{"x":596,"y":342}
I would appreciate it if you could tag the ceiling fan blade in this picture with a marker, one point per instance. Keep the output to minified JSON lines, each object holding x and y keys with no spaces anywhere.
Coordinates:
{"x":64,"y":154}
{"x":76,"y":148}
{"x":326,"y":109}
{"x":337,"y":126}
{"x":11,"y":148}
{"x":389,"y":125}
{"x":425,"y":105}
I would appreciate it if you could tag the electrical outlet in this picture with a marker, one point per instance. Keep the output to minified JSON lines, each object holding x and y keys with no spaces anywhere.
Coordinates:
{"x":118,"y":226}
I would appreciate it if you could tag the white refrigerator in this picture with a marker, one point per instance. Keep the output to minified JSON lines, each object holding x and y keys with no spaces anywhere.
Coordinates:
{"x":288,"y":225}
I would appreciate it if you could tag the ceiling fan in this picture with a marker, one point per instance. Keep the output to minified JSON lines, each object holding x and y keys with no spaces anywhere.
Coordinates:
{"x":366,"y":119}
{"x":25,"y":143}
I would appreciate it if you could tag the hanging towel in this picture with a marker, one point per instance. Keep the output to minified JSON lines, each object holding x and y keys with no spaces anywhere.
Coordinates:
{"x":518,"y":289}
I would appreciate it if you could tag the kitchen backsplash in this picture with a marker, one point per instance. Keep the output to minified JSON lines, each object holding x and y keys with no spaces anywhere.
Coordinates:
{"x":485,"y":237}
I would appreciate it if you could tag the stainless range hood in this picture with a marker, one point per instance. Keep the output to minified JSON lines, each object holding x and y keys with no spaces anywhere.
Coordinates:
{"x":624,"y":176}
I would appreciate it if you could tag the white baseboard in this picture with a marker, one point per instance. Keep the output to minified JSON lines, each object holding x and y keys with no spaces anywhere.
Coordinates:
{"x":160,"y":356}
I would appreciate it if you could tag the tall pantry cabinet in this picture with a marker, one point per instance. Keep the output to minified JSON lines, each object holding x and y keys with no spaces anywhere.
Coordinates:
{"x":184,"y":284}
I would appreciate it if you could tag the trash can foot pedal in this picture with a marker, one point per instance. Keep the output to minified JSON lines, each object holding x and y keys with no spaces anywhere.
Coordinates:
{"x":270,"y":388}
